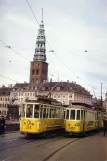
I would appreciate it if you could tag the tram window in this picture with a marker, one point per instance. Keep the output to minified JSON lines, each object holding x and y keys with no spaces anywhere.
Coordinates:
{"x":61,"y":113}
{"x":23,"y":111}
{"x":78,"y":115}
{"x":72,"y":117}
{"x":57,"y":113}
{"x":82,"y":115}
{"x":85,"y":115}
{"x":50,"y":112}
{"x":64,"y":114}
{"x":95,"y":116}
{"x":67,"y":115}
{"x":44,"y":113}
{"x":53,"y":113}
{"x":41,"y":109}
{"x":47,"y":111}
{"x":29,"y":111}
{"x":36,"y":111}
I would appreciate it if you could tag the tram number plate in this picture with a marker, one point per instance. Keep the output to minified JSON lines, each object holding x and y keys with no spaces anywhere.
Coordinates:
{"x":28,"y":127}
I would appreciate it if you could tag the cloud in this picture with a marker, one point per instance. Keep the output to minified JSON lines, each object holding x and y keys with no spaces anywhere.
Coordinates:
{"x":21,"y":20}
{"x":71,"y":28}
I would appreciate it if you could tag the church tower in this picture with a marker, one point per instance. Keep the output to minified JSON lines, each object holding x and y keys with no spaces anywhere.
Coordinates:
{"x":39,"y":66}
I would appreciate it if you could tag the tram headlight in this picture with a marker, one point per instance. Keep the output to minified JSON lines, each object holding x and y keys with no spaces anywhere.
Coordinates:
{"x":38,"y":125}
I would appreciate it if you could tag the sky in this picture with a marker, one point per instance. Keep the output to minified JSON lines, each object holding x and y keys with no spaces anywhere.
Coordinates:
{"x":71,"y":27}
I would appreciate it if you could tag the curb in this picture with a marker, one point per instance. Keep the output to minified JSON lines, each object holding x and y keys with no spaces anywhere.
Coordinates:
{"x":8,"y":132}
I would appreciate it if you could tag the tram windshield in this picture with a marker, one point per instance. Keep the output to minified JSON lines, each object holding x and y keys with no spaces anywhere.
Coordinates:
{"x":72,"y":116}
{"x":29,"y":111}
{"x":36,"y":111}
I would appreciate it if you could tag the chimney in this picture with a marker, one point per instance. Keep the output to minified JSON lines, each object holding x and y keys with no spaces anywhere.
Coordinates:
{"x":10,"y":85}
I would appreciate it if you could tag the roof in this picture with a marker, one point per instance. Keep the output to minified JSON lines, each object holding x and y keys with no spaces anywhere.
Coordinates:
{"x":5,"y":90}
{"x":63,"y":87}
{"x":20,"y":85}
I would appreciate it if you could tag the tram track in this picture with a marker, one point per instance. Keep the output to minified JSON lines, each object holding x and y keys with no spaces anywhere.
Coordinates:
{"x":14,"y":145}
{"x":54,"y":145}
{"x":11,"y":158}
{"x":56,"y":151}
{"x":39,"y":145}
{"x":48,"y":158}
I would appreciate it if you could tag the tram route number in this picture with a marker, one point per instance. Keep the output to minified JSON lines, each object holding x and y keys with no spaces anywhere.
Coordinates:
{"x":28,"y":126}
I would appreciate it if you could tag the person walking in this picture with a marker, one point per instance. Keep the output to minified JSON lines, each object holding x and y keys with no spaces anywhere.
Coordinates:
{"x":105,"y":126}
{"x":2,"y":125}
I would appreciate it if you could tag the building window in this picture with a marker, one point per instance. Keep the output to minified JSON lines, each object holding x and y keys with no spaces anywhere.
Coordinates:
{"x":37,"y":72}
{"x":58,"y":88}
{"x":58,"y":96}
{"x":43,"y":88}
{"x":63,"y":96}
{"x":30,"y":94}
{"x":70,"y":96}
{"x":54,"y":96}
{"x":35,"y":88}
{"x":33,"y":72}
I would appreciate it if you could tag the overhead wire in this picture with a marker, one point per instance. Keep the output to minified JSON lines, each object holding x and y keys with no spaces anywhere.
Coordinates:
{"x":8,"y":78}
{"x":50,"y":45}
{"x":9,"y":47}
{"x":47,"y":42}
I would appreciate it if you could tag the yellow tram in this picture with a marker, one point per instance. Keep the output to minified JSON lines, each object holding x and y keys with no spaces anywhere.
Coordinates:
{"x":80,"y":119}
{"x":41,"y":115}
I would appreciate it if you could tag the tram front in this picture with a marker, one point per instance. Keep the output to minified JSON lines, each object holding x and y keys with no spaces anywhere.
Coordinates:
{"x":30,"y":118}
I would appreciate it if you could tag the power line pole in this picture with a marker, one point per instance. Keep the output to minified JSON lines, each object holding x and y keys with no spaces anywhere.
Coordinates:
{"x":101,"y":97}
{"x":50,"y":87}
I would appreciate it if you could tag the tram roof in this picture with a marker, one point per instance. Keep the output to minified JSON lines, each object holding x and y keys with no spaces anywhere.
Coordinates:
{"x":44,"y":100}
{"x":83,"y":106}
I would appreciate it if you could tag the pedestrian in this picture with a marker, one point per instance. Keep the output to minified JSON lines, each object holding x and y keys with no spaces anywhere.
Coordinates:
{"x":2,"y":125}
{"x":105,"y":126}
